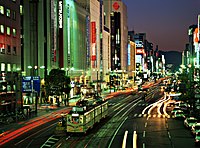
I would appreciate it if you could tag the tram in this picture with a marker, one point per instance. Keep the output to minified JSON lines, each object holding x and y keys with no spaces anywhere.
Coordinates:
{"x":85,"y":114}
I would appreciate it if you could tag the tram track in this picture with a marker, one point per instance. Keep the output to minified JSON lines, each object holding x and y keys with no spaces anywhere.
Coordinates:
{"x":99,"y":133}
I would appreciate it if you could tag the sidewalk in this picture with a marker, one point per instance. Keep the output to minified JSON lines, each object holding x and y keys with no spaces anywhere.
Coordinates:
{"x":41,"y":113}
{"x":46,"y":110}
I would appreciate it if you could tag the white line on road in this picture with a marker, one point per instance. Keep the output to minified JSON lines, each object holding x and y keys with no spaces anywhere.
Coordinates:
{"x":124,"y":140}
{"x":143,"y":145}
{"x":169,"y":135}
{"x":116,"y":132}
{"x":144,"y":134}
{"x":145,"y":125}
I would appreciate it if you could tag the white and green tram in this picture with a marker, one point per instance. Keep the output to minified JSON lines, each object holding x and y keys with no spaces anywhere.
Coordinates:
{"x":81,"y":117}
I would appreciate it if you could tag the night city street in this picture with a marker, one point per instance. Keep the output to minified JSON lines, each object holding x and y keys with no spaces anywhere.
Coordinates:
{"x":99,"y":73}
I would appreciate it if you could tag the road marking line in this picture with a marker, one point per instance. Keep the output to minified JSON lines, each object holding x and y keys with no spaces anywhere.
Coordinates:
{"x":145,"y":125}
{"x":143,"y":145}
{"x":134,"y":139}
{"x":116,"y":132}
{"x":169,"y":135}
{"x":124,"y":139}
{"x":140,"y":115}
{"x":144,"y":134}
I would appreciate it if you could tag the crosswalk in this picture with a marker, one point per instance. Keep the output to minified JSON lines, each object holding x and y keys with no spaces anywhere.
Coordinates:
{"x":152,"y":116}
{"x":50,"y":142}
{"x":143,"y":104}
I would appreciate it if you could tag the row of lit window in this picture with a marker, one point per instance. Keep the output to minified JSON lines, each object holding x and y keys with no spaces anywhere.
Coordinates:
{"x":8,"y":30}
{"x":7,"y":11}
{"x":8,"y":50}
{"x":8,"y":67}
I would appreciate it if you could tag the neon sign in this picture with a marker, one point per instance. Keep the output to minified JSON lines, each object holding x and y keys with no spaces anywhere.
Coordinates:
{"x":60,"y":12}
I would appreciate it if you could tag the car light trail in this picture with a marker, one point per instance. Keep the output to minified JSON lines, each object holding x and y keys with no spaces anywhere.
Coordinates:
{"x":29,"y":126}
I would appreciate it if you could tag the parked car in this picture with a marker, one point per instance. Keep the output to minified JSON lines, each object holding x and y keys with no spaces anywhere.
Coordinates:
{"x":195,"y":128}
{"x":190,"y":121}
{"x":197,"y":138}
{"x":175,"y":109}
{"x":179,"y":114}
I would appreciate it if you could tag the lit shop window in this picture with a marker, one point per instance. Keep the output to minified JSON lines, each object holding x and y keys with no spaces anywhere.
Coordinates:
{"x":2,"y":29}
{"x":1,"y":10}
{"x":8,"y":12}
{"x":3,"y":66}
{"x":21,"y":9}
{"x":8,"y":67}
{"x":14,"y":32}
{"x":8,"y":30}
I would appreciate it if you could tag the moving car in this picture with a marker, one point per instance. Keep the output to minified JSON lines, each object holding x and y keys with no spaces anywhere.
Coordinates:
{"x":195,"y":129}
{"x":197,"y":138}
{"x":179,"y":114}
{"x":175,"y":109}
{"x":190,"y":121}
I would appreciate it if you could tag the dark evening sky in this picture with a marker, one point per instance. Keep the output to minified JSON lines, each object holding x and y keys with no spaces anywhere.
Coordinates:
{"x":165,"y":22}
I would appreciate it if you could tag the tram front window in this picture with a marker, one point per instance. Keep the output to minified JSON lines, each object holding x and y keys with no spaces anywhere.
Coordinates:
{"x":75,"y":118}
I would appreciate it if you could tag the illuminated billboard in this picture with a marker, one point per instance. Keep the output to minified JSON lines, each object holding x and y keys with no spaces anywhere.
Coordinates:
{"x":140,"y":51}
{"x":93,"y":40}
{"x":138,"y":59}
{"x":139,"y":44}
{"x":129,"y":55}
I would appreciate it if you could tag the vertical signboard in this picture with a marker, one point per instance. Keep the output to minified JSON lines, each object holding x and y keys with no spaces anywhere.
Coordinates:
{"x":60,"y":24}
{"x":68,"y":37}
{"x":88,"y":39}
{"x":196,"y":46}
{"x":129,"y":55}
{"x":93,"y":40}
{"x":198,"y":26}
{"x":53,"y":31}
{"x":93,"y":30}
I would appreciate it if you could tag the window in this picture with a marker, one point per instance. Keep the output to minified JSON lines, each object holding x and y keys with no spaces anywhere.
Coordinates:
{"x":2,"y":50}
{"x":14,"y":50}
{"x":1,"y":10}
{"x":14,"y":32}
{"x":8,"y":49}
{"x":8,"y":67}
{"x":8,"y":30}
{"x":3,"y":67}
{"x":2,"y":29}
{"x":8,"y":12}
{"x":21,"y":9}
{"x":14,"y":15}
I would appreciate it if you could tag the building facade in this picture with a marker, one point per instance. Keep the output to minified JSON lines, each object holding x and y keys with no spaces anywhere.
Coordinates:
{"x":10,"y":55}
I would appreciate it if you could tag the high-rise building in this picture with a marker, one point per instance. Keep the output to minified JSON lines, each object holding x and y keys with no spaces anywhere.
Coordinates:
{"x":10,"y":54}
{"x":10,"y":45}
{"x":119,"y":36}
